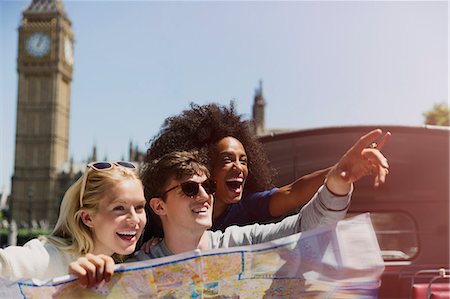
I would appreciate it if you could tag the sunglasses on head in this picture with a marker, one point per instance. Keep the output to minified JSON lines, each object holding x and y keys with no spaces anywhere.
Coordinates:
{"x":191,"y":188}
{"x":101,"y":166}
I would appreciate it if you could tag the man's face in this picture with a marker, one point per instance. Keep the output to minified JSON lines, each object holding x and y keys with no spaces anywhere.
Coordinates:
{"x":183,"y":212}
{"x":230,"y":170}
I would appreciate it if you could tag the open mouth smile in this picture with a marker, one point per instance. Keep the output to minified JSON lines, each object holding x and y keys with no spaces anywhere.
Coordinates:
{"x":127,"y":235}
{"x":200,"y":209}
{"x":235,"y":184}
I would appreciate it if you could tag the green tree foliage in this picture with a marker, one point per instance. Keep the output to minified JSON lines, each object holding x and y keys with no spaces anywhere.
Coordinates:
{"x":439,"y":115}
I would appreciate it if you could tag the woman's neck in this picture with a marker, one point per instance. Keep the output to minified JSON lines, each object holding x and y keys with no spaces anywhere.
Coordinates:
{"x":219,"y":208}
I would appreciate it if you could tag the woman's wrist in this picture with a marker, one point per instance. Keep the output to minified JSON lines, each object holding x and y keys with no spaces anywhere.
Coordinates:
{"x":337,"y":184}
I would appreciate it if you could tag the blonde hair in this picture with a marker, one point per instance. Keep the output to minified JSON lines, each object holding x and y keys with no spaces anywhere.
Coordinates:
{"x":70,"y":233}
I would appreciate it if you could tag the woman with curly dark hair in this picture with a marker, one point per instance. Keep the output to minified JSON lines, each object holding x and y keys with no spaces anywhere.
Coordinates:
{"x":236,"y":160}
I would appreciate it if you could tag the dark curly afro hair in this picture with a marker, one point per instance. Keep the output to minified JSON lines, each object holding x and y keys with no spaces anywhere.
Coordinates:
{"x":200,"y":128}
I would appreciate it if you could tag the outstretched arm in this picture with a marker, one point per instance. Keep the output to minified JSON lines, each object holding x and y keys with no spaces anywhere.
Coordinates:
{"x":296,"y":194}
{"x":358,"y":161}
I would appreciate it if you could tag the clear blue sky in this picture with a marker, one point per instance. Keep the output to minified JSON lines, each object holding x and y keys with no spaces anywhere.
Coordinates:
{"x":322,"y":64}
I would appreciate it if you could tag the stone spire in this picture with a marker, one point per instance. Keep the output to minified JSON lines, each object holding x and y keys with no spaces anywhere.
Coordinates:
{"x":258,"y":110}
{"x":45,"y":10}
{"x":94,"y":153}
{"x":43,"y":6}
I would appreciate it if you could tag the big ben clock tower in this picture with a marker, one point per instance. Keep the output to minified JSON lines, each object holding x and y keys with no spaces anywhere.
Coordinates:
{"x":44,"y":66}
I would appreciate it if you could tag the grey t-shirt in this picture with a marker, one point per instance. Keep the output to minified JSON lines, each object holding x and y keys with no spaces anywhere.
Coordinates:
{"x":324,"y":208}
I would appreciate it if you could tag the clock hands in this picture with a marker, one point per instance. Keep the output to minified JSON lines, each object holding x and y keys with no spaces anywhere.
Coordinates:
{"x":39,"y":41}
{"x":38,"y":44}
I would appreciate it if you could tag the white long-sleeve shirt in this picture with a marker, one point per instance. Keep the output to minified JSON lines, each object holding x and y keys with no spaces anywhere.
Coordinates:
{"x":36,"y":259}
{"x":324,"y":208}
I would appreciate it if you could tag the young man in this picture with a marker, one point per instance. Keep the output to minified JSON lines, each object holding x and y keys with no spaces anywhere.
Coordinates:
{"x":181,"y":198}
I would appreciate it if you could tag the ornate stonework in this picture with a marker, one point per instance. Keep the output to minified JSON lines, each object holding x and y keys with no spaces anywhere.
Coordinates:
{"x":44,"y":68}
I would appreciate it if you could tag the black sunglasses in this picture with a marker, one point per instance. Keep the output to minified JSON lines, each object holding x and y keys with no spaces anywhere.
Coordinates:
{"x":191,"y":188}
{"x":108,"y":165}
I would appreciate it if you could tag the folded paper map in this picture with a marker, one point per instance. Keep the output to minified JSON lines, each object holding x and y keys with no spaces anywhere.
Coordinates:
{"x":339,"y":261}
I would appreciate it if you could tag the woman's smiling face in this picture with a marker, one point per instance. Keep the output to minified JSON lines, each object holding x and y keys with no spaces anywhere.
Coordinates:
{"x":119,"y":220}
{"x":230,"y":170}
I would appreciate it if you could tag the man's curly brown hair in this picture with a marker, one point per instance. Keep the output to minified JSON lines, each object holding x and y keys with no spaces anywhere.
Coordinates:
{"x":200,"y":128}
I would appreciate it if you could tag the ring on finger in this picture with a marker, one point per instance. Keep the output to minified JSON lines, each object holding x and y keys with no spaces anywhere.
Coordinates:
{"x":373,"y":145}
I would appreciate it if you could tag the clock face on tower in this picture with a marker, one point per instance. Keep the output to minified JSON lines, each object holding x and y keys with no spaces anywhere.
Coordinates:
{"x":38,"y":44}
{"x":68,"y":50}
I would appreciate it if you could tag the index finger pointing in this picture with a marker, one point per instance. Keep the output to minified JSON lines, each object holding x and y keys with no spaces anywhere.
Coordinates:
{"x":383,"y":140}
{"x":367,"y":139}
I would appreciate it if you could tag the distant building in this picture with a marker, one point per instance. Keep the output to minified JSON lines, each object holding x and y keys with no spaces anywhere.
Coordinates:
{"x":43,"y":171}
{"x":44,"y":66}
{"x":259,"y":105}
{"x":258,"y":115}
{"x":135,"y":155}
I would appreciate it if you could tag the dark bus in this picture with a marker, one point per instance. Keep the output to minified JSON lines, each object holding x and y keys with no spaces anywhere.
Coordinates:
{"x":410,"y":212}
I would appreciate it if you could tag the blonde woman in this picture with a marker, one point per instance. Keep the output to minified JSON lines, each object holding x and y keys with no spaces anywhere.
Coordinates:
{"x":101,"y":214}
